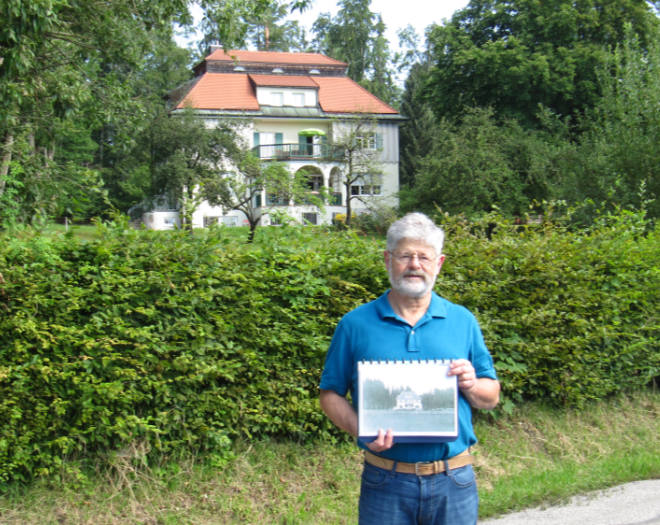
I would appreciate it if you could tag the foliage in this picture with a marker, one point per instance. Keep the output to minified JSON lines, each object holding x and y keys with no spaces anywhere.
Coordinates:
{"x":515,"y":55}
{"x":246,"y":177}
{"x":480,"y":165}
{"x":92,"y":74}
{"x":266,"y":32}
{"x":359,"y":141}
{"x":417,"y":134}
{"x":230,"y":23}
{"x":356,"y":36}
{"x":569,"y":316}
{"x":185,"y":158}
{"x":181,"y":341}
{"x":618,"y":150}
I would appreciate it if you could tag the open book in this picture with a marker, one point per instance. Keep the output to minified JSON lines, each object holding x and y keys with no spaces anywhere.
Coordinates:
{"x":416,"y":399}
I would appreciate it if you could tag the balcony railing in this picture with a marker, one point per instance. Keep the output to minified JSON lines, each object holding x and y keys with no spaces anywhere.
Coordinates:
{"x":298,"y":152}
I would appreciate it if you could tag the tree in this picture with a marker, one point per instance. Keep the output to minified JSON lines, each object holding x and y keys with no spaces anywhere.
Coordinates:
{"x":91,"y":63}
{"x":360,"y":146}
{"x":514,"y":55}
{"x":230,"y":22}
{"x":185,"y":159}
{"x":244,"y":178}
{"x":472,"y":168}
{"x":618,"y":163}
{"x":267,"y":31}
{"x":356,"y":36}
{"x":417,"y":134}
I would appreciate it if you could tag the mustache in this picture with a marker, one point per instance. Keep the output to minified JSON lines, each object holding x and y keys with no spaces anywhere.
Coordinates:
{"x":414,"y":274}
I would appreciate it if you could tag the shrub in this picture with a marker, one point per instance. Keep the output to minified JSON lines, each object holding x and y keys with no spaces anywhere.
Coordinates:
{"x":181,"y":341}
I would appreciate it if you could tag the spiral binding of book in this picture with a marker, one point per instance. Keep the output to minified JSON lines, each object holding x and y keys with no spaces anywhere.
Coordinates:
{"x":416,"y":399}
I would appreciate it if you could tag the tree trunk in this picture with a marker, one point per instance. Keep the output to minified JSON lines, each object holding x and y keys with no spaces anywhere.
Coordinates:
{"x":253,"y":229}
{"x":5,"y":160}
{"x":348,"y":203}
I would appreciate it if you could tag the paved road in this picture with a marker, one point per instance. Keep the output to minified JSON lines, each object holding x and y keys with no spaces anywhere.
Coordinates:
{"x":636,"y":503}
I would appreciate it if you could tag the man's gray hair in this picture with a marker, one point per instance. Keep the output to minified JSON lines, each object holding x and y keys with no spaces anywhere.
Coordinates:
{"x":415,"y":226}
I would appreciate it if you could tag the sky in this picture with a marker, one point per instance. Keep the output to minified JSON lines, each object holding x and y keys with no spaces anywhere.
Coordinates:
{"x":396,"y":14}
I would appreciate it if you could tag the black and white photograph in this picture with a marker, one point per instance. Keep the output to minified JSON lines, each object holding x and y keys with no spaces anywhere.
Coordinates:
{"x":416,"y":399}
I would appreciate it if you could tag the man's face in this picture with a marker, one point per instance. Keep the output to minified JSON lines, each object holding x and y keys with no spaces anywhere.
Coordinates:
{"x":413,"y":267}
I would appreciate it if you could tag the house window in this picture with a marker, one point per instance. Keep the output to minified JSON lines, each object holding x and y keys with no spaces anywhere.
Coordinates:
{"x":276,"y":200}
{"x":310,"y":218}
{"x":277,"y":98}
{"x":208,"y":221}
{"x":365,"y":189}
{"x":315,"y":182}
{"x":299,"y":99}
{"x":370,"y":141}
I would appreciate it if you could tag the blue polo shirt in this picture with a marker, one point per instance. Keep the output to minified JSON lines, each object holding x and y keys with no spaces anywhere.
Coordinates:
{"x":374,"y":332}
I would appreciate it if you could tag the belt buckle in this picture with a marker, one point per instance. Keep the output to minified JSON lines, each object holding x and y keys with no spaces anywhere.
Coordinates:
{"x":418,"y":465}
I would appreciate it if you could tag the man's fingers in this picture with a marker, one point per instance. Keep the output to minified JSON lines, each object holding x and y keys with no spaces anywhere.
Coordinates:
{"x":383,"y":441}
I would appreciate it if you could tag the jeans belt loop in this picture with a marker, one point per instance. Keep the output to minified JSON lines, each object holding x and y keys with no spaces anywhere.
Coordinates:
{"x":446,"y":463}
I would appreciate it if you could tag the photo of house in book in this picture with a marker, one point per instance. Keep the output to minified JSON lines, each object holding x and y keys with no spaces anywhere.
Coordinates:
{"x":416,"y":399}
{"x":408,"y":400}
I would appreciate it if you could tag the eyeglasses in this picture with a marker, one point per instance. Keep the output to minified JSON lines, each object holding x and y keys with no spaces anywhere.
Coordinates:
{"x":406,"y":258}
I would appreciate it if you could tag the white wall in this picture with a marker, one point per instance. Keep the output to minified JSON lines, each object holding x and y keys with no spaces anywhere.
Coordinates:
{"x":265,"y":96}
{"x":161,"y":220}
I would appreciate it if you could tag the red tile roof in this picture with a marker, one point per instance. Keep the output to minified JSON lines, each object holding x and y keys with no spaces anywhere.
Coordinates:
{"x":343,"y":95}
{"x":221,"y":91}
{"x":283,"y":81}
{"x":234,"y":91}
{"x":274,"y":57}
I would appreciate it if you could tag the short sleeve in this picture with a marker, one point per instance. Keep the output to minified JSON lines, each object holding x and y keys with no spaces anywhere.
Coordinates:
{"x":339,"y":362}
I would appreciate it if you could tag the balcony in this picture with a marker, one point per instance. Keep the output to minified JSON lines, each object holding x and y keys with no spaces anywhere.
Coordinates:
{"x":318,"y":152}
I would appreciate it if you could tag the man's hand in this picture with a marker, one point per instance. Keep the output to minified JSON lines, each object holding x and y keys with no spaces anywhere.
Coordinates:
{"x":481,"y":392}
{"x":463,"y":369}
{"x":383,"y":441}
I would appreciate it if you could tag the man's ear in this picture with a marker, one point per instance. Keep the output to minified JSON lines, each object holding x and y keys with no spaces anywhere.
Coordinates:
{"x":441,"y":261}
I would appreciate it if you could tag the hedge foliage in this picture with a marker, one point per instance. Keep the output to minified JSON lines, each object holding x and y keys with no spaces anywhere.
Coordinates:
{"x":185,"y":341}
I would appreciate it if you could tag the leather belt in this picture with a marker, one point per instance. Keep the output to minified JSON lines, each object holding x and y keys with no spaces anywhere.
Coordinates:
{"x":422,"y":468}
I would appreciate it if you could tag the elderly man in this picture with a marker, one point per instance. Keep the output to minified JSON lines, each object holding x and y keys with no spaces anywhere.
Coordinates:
{"x":426,"y":482}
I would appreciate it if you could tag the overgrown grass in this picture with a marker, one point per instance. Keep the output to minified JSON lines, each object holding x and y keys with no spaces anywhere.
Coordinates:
{"x":536,"y":455}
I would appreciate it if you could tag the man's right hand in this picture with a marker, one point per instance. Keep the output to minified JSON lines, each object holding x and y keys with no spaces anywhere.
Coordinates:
{"x":383,"y":441}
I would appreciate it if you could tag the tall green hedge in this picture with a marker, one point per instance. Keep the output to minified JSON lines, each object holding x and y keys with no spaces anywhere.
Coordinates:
{"x":184,"y":341}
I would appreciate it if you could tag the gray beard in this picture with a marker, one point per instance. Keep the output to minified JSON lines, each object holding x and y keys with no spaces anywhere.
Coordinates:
{"x":415,"y":289}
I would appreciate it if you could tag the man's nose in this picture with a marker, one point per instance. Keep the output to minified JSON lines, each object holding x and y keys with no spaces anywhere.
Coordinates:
{"x":414,"y":261}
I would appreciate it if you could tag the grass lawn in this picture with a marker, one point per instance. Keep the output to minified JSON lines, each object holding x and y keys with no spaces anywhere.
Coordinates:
{"x":536,"y":455}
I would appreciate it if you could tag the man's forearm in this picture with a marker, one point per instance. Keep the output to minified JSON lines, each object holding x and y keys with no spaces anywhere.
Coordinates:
{"x":339,"y":411}
{"x":484,"y":394}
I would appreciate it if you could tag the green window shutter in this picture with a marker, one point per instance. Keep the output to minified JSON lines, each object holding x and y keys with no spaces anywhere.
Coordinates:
{"x":255,"y":139}
{"x":279,"y":138}
{"x":379,"y":141}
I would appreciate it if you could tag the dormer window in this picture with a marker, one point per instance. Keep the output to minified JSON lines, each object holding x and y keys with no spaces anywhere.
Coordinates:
{"x":278,"y":70}
{"x":314,"y":72}
{"x":277,"y":98}
{"x":239,"y":68}
{"x":298,"y":99}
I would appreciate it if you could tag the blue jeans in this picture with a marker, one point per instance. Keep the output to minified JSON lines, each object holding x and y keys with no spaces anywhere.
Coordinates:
{"x":392,"y":498}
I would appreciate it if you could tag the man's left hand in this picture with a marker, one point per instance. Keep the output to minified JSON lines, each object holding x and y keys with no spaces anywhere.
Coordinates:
{"x":481,"y":392}
{"x":466,"y":375}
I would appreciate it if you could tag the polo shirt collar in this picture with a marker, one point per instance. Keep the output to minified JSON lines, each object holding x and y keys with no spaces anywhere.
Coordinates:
{"x":437,"y":307}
